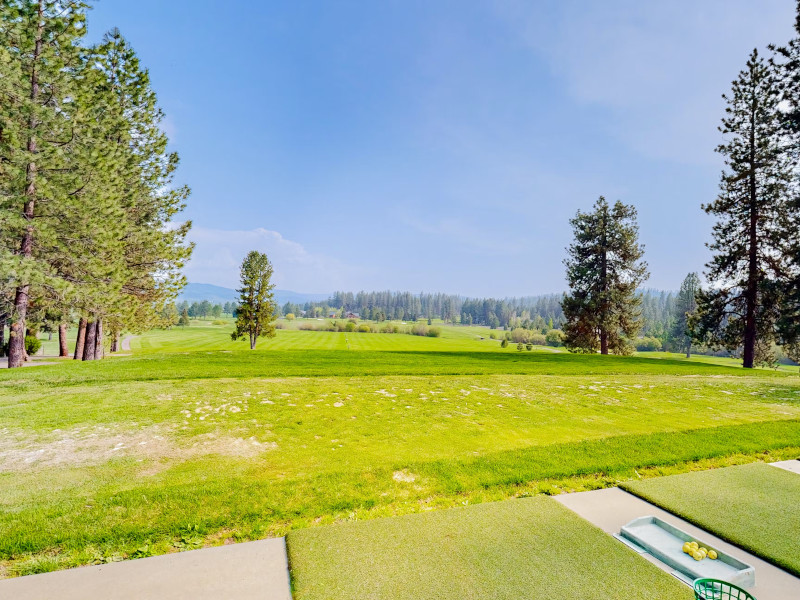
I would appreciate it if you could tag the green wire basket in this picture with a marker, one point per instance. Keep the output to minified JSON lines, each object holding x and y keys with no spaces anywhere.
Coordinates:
{"x":716,"y":589}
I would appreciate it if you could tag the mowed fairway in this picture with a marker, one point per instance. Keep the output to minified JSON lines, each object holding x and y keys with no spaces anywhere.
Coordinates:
{"x":528,"y":548}
{"x":195,"y":440}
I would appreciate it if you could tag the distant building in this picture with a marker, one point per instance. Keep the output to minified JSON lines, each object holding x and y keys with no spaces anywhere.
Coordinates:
{"x":352,"y":315}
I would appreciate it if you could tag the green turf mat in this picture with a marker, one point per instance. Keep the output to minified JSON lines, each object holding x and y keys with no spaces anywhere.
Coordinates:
{"x":754,"y":506}
{"x":527,"y":548}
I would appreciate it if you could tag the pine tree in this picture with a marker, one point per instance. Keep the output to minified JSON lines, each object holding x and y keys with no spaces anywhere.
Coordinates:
{"x":787,"y":63}
{"x":685,"y":308}
{"x":757,"y":223}
{"x":604,"y":270}
{"x":39,"y":58}
{"x":256,"y":312}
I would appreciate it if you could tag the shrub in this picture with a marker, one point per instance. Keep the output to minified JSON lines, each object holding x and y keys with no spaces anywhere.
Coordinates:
{"x":492,"y":336}
{"x":290,"y":316}
{"x":218,"y":322}
{"x":520,"y":335}
{"x":306,"y":327}
{"x":32,"y":344}
{"x":648,"y":344}
{"x":554,"y":337}
{"x":520,"y":347}
{"x":434,"y":332}
{"x":504,"y":343}
{"x":418,"y":330}
{"x":350,"y":327}
{"x":364,"y":329}
{"x":277,"y":325}
{"x":389,"y":328}
{"x":538,"y":339}
{"x":529,"y":346}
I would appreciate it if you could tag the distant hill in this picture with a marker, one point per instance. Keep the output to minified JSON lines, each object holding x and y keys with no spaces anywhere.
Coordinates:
{"x":197,"y":292}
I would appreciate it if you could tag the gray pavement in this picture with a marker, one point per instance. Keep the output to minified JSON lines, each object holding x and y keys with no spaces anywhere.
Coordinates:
{"x":788,"y":465}
{"x":611,"y":508}
{"x":248,"y":571}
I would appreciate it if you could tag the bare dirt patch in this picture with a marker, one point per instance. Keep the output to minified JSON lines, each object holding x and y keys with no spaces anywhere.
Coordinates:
{"x":20,"y":450}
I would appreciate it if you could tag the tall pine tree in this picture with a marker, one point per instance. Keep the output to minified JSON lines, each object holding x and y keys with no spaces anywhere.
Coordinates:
{"x":255,"y":314}
{"x":604,"y":270}
{"x":756,"y":228}
{"x":787,"y":63}
{"x":685,"y":308}
{"x":40,"y":57}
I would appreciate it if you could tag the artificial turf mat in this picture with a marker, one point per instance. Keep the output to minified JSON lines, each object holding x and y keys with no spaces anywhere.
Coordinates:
{"x":525,"y":548}
{"x":755,"y":506}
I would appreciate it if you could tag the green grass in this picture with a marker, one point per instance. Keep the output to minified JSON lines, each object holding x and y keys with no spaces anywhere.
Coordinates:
{"x":102,"y":458}
{"x":754,"y":506}
{"x":527,"y":548}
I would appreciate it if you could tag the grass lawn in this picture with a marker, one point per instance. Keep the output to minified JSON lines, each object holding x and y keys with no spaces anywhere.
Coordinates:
{"x":195,"y":441}
{"x":526,"y":548}
{"x":754,"y":506}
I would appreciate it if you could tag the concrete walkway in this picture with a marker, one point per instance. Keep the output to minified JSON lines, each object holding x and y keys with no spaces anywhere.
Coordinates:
{"x":788,"y":465}
{"x":248,"y":571}
{"x":611,"y":508}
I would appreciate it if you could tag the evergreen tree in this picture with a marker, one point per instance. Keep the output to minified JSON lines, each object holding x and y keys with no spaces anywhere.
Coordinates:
{"x":40,"y":53}
{"x":255,"y":314}
{"x":787,"y":63}
{"x":757,"y":223}
{"x":604,"y":270}
{"x":685,"y":308}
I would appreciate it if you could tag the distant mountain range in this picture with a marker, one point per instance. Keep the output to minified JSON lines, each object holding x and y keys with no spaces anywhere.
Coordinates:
{"x":197,"y":292}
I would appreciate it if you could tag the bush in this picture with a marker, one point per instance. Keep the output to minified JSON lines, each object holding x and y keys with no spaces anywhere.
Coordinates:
{"x":350,"y":327}
{"x":389,"y":328}
{"x":418,"y":330}
{"x":520,"y":335}
{"x":218,"y":322}
{"x":538,"y":339}
{"x":648,"y":344}
{"x":520,"y":347}
{"x":364,"y":329}
{"x":290,"y":316}
{"x":504,"y":343}
{"x":277,"y":325}
{"x":434,"y":332}
{"x":529,"y":346}
{"x":306,"y":327}
{"x":554,"y":337}
{"x":492,"y":336}
{"x":32,"y":344}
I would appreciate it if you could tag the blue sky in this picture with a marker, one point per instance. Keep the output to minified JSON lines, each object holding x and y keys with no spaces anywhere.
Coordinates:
{"x":441,"y":146}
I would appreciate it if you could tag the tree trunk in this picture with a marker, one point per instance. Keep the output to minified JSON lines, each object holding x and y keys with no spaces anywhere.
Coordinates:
{"x":751,"y":293}
{"x":80,"y":341}
{"x":604,"y":284}
{"x":16,"y":345}
{"x":62,"y":340}
{"x":91,"y":339}
{"x":252,"y":342}
{"x":3,"y":319}
{"x":115,"y":342}
{"x":98,"y":344}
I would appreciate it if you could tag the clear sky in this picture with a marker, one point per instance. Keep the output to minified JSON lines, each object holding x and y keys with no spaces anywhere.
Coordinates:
{"x":441,"y":146}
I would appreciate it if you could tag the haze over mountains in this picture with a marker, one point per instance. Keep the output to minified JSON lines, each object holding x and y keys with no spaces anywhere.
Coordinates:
{"x":197,"y":292}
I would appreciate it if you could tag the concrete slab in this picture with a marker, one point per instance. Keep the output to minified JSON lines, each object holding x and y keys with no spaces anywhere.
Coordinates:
{"x":611,"y":508}
{"x":788,"y":465}
{"x":243,"y":571}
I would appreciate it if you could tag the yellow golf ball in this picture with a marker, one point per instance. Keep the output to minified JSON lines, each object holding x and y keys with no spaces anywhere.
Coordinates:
{"x":697,"y":555}
{"x":712,"y":554}
{"x":687,"y":548}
